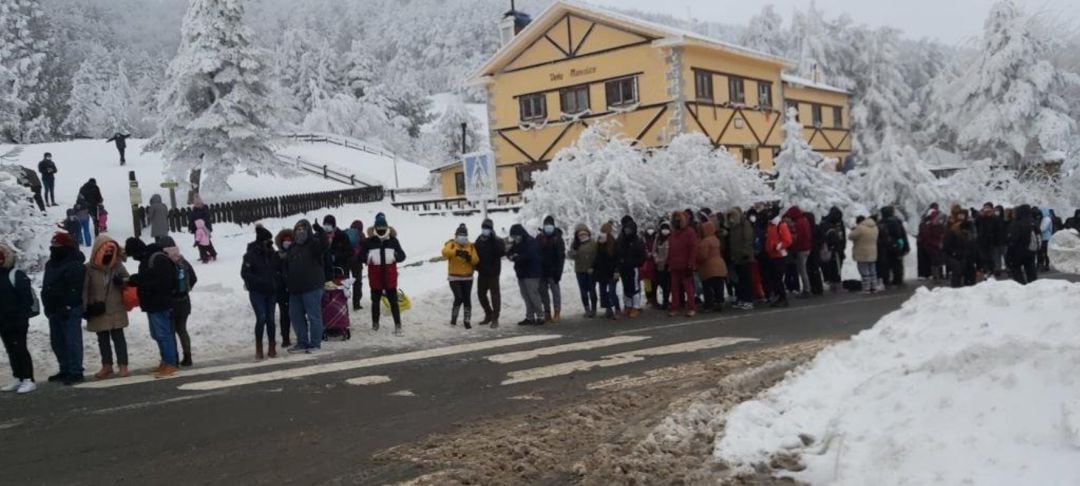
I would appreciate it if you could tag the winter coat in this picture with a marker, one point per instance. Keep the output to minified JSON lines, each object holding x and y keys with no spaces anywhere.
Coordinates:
{"x":279,"y":272}
{"x":710,"y":263}
{"x":804,"y":234}
{"x":15,"y":300}
{"x":865,"y":239}
{"x":47,"y":168}
{"x":1022,"y":231}
{"x":932,"y":230}
{"x":1046,"y":225}
{"x":260,"y":268}
{"x":552,"y":254}
{"x":583,"y":254}
{"x":202,"y":235}
{"x":606,"y":263}
{"x":62,"y":287}
{"x":461,"y":260}
{"x":29,"y":179}
{"x":987,"y":227}
{"x":200,"y":211}
{"x":384,"y":253}
{"x":778,"y":239}
{"x":156,"y":280}
{"x":491,"y":250}
{"x":101,"y":286}
{"x":158,"y":217}
{"x":631,"y":250}
{"x":341,"y":250}
{"x":120,"y":139}
{"x":898,"y":237}
{"x":960,"y":242}
{"x":740,"y":238}
{"x":305,"y":263}
{"x":90,"y":194}
{"x":525,"y":253}
{"x":682,"y":245}
{"x":660,"y":252}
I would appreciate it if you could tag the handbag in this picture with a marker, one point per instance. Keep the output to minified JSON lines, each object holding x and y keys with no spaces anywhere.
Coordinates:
{"x":94,"y":309}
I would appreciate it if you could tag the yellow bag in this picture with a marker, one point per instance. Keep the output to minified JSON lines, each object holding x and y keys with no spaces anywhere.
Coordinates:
{"x":404,"y":303}
{"x":646,"y":285}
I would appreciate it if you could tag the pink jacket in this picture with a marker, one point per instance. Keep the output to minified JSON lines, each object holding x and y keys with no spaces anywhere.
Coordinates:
{"x":202,"y":237}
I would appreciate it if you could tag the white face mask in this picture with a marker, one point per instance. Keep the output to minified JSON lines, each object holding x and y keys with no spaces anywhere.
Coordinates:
{"x":486,"y":232}
{"x":752,"y":219}
{"x":583,"y":238}
{"x":461,"y":239}
{"x":602,"y":238}
{"x":286,"y":244}
{"x":549,"y":229}
{"x":665,"y":232}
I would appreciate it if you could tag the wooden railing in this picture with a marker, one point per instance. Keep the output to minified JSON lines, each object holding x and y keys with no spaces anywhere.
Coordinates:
{"x":324,"y":171}
{"x":339,"y":140}
{"x":253,"y":210}
{"x":505,"y":202}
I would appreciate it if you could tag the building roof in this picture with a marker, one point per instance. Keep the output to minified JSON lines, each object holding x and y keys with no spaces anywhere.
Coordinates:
{"x":448,"y":165}
{"x":667,"y":35}
{"x":810,"y":83}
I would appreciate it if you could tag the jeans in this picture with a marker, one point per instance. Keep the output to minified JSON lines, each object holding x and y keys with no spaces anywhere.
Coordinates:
{"x":530,"y":293}
{"x":107,"y":340}
{"x":485,"y":285}
{"x":868,"y":272}
{"x":263,"y":305}
{"x":84,"y":237}
{"x":682,"y":290}
{"x":14,"y":336}
{"x":587,"y":288}
{"x":550,"y":296}
{"x":180,"y":313}
{"x":609,"y":295}
{"x":804,"y":275}
{"x":306,"y":313}
{"x":65,"y":335}
{"x":50,"y":189}
{"x":161,"y":329}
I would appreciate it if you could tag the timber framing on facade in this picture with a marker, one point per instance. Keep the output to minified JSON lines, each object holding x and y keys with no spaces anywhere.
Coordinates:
{"x":575,"y":65}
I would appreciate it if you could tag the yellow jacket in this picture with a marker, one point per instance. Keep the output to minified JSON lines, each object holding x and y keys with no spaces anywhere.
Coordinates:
{"x":459,"y":267}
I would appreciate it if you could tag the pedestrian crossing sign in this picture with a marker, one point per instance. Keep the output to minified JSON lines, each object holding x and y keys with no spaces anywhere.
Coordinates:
{"x":481,"y":183}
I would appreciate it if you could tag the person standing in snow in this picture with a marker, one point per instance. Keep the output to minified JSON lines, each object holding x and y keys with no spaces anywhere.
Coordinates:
{"x":355,"y":233}
{"x":986,"y":228}
{"x":961,"y":251}
{"x":1024,"y":245}
{"x":30,"y":180}
{"x":931,"y":241}
{"x":90,"y":198}
{"x":897,"y":246}
{"x":682,"y":262}
{"x":200,"y":211}
{"x":1046,"y":227}
{"x":778,"y":241}
{"x":711,"y":267}
{"x":207,"y":253}
{"x":525,"y":253}
{"x":553,"y":261}
{"x":157,"y":215}
{"x":491,"y":249}
{"x":16,"y":308}
{"x":462,"y":259}
{"x":62,"y":301}
{"x":341,"y":251}
{"x":583,"y":253}
{"x":283,"y":241}
{"x":740,"y":246}
{"x":648,"y":268}
{"x":156,"y":282}
{"x":865,"y":251}
{"x":803,"y":243}
{"x":605,"y":271}
{"x":185,"y":281}
{"x":660,"y":250}
{"x":384,"y":253}
{"x":259,"y":272}
{"x":120,"y":140}
{"x":105,"y":313}
{"x":305,"y":276}
{"x":47,"y":168}
{"x":1074,"y":221}
{"x":631,"y":255}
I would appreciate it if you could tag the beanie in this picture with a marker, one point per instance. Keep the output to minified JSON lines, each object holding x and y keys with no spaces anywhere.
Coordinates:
{"x":461,"y":230}
{"x":166,"y":242}
{"x":549,"y":219}
{"x":63,"y":239}
{"x":488,"y":224}
{"x":262,"y":234}
{"x":329,"y":220}
{"x":380,"y":220}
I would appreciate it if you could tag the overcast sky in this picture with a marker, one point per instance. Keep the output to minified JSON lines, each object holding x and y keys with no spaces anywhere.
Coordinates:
{"x":951,"y":21}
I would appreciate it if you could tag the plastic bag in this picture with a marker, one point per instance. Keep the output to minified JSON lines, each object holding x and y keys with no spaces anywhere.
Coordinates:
{"x":404,"y":303}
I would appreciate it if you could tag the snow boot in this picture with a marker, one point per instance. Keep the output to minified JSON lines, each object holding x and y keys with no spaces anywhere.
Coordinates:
{"x":272,"y":353}
{"x":487,"y":319}
{"x":468,"y":311}
{"x":124,"y":373}
{"x":398,"y":331}
{"x":495,"y":323}
{"x":106,"y":371}
{"x":259,"y":351}
{"x":454,"y":316}
{"x":186,"y":362}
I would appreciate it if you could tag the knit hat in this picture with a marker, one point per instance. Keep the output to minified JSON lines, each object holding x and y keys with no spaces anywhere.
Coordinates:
{"x":549,"y":219}
{"x":166,"y":242}
{"x":329,"y":220}
{"x":134,"y":247}
{"x":63,"y":239}
{"x":380,"y":220}
{"x":462,"y":230}
{"x":488,"y":224}
{"x":262,"y":234}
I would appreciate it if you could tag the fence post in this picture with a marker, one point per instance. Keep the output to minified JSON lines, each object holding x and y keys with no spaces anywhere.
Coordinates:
{"x":324,"y":172}
{"x":352,"y":179}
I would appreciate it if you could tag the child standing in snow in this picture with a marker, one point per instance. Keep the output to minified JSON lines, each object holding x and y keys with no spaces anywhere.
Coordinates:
{"x":462,"y":260}
{"x":203,"y":243}
{"x":102,"y":219}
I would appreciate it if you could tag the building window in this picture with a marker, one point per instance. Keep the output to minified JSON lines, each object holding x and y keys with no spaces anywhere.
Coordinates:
{"x":459,"y":183}
{"x":792,"y":105}
{"x":838,"y":117}
{"x":817,"y":114}
{"x":622,"y":92}
{"x":703,"y":85}
{"x":764,"y":94}
{"x":533,"y":107}
{"x":736,"y":90}
{"x":750,"y":155}
{"x":574,"y":100}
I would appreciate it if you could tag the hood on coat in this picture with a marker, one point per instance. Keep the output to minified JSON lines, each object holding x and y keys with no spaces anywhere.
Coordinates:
{"x":155,"y":199}
{"x":392,"y":233}
{"x":105,"y":245}
{"x":735,"y":215}
{"x":887,"y":212}
{"x":9,"y":256}
{"x":281,"y":236}
{"x":629,"y":223}
{"x":358,"y":226}
{"x":519,"y":231}
{"x":304,"y":225}
{"x":581,"y":228}
{"x":680,"y":218}
{"x":708,"y":228}
{"x":835,"y":215}
{"x":1023,"y":212}
{"x":136,"y":248}
{"x":794,"y":213}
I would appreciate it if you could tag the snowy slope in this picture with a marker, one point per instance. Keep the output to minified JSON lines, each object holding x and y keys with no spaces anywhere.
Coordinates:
{"x":375,"y":168}
{"x":967,"y":386}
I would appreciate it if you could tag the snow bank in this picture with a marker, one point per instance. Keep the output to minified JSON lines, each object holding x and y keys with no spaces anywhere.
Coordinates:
{"x":957,"y":387}
{"x":1064,"y":250}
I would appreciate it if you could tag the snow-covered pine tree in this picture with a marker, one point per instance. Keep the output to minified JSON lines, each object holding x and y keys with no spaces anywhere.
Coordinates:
{"x":689,"y":172}
{"x":90,"y":93}
{"x":122,"y":113}
{"x":765,"y":32}
{"x":23,"y":44}
{"x":21,"y":224}
{"x":445,"y":137}
{"x":881,"y":94}
{"x":215,"y":112}
{"x":1007,"y":103}
{"x":896,"y":176}
{"x":307,"y":67}
{"x":803,"y":181}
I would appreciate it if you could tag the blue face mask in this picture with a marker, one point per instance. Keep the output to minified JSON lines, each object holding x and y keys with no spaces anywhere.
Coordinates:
{"x":461,"y":239}
{"x":549,"y":229}
{"x":486,"y":232}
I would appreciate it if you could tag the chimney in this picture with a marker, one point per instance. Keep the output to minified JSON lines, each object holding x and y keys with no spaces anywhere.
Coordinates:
{"x":512,"y":23}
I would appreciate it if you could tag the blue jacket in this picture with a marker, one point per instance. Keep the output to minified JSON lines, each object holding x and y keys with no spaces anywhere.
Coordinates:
{"x":1046,"y":225}
{"x":525,"y":254}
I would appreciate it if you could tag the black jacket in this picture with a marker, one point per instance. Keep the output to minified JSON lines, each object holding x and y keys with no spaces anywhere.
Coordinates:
{"x":91,"y":194}
{"x":605,"y":265}
{"x":552,"y":254}
{"x":341,"y":252}
{"x":47,"y":169}
{"x":1021,"y":231}
{"x":491,"y":250}
{"x":631,"y":250}
{"x":120,"y":139}
{"x":62,"y":288}
{"x":987,"y":229}
{"x":898,"y":238}
{"x":960,"y":244}
{"x":15,"y":300}
{"x":260,"y":268}
{"x":525,"y":254}
{"x":198,"y":213}
{"x":305,"y":264}
{"x":156,"y":281}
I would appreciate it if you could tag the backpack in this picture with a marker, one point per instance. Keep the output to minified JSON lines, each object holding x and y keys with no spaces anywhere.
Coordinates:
{"x":1035,"y":241}
{"x":183,"y":285}
{"x":35,"y":305}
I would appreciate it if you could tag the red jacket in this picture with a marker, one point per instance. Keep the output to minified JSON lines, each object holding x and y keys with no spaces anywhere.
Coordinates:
{"x":777,"y":239}
{"x":682,"y":246}
{"x":804,"y":234}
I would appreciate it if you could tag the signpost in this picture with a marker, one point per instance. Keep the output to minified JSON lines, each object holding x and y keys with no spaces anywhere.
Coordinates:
{"x":481,"y":181}
{"x":171,"y":186}
{"x":136,"y":200}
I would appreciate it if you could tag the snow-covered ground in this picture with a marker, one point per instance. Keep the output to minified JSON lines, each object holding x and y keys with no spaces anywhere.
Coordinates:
{"x":374,"y":168}
{"x":959,"y":386}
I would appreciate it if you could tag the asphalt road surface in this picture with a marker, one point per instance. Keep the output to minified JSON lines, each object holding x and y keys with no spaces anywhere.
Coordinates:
{"x":319,"y":419}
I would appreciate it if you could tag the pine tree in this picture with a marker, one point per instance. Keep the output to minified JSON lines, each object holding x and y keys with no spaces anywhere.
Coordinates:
{"x":21,"y":224}
{"x":447,"y":133}
{"x":881,"y":94}
{"x":803,"y":181}
{"x":765,"y":32}
{"x":90,"y":90}
{"x":23,"y":44}
{"x":307,"y":69}
{"x":896,"y":176}
{"x":216,"y":116}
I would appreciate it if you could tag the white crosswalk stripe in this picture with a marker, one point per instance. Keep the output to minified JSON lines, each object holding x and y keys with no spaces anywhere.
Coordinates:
{"x":570,"y":367}
{"x":528,"y":354}
{"x":201,"y":371}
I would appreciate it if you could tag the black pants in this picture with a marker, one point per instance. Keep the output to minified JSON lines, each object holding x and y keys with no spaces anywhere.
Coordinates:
{"x":37,"y":199}
{"x":122,"y":159}
{"x":1044,"y":256}
{"x":488,"y":285}
{"x":743,"y":285}
{"x":961,"y":272}
{"x":776,"y":271}
{"x":662,"y":287}
{"x":180,"y":313}
{"x":206,"y":253}
{"x":286,"y":320}
{"x":462,"y":290}
{"x":116,"y":336}
{"x":831,"y":270}
{"x":14,"y":337}
{"x":1023,"y":268}
{"x":813,"y":270}
{"x":358,"y":285}
{"x":714,"y":293}
{"x":395,"y":311}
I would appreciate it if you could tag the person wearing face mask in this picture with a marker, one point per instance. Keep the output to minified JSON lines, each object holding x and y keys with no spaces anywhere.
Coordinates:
{"x":662,"y":279}
{"x":631,"y":255}
{"x":740,"y":245}
{"x":341,"y":250}
{"x":461,"y":259}
{"x":283,"y":241}
{"x":17,"y":306}
{"x":682,"y":261}
{"x":259,"y":272}
{"x":583,"y":253}
{"x":778,"y":241}
{"x":384,"y":253}
{"x":553,"y":261}
{"x":305,"y":275}
{"x":156,"y":282}
{"x":605,"y":270}
{"x":62,"y":301}
{"x":648,"y":268}
{"x":105,"y":312}
{"x":525,"y":253}
{"x":491,"y":249}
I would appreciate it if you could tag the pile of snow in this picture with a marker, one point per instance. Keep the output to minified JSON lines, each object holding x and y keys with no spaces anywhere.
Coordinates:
{"x":1064,"y":251}
{"x":965,"y":386}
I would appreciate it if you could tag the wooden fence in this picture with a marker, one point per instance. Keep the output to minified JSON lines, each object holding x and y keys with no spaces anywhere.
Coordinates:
{"x":252,"y":210}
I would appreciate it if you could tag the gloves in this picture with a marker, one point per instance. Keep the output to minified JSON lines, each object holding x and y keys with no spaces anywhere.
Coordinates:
{"x":462,"y":254}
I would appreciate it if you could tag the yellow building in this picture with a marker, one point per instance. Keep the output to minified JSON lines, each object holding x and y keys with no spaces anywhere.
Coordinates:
{"x":575,"y":65}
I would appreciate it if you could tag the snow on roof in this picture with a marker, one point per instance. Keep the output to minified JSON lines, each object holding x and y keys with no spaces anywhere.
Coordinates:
{"x":810,"y":83}
{"x":448,"y":165}
{"x":671,"y":34}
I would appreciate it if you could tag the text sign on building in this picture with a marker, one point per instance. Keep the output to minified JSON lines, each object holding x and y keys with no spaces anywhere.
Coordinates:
{"x":481,"y":183}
